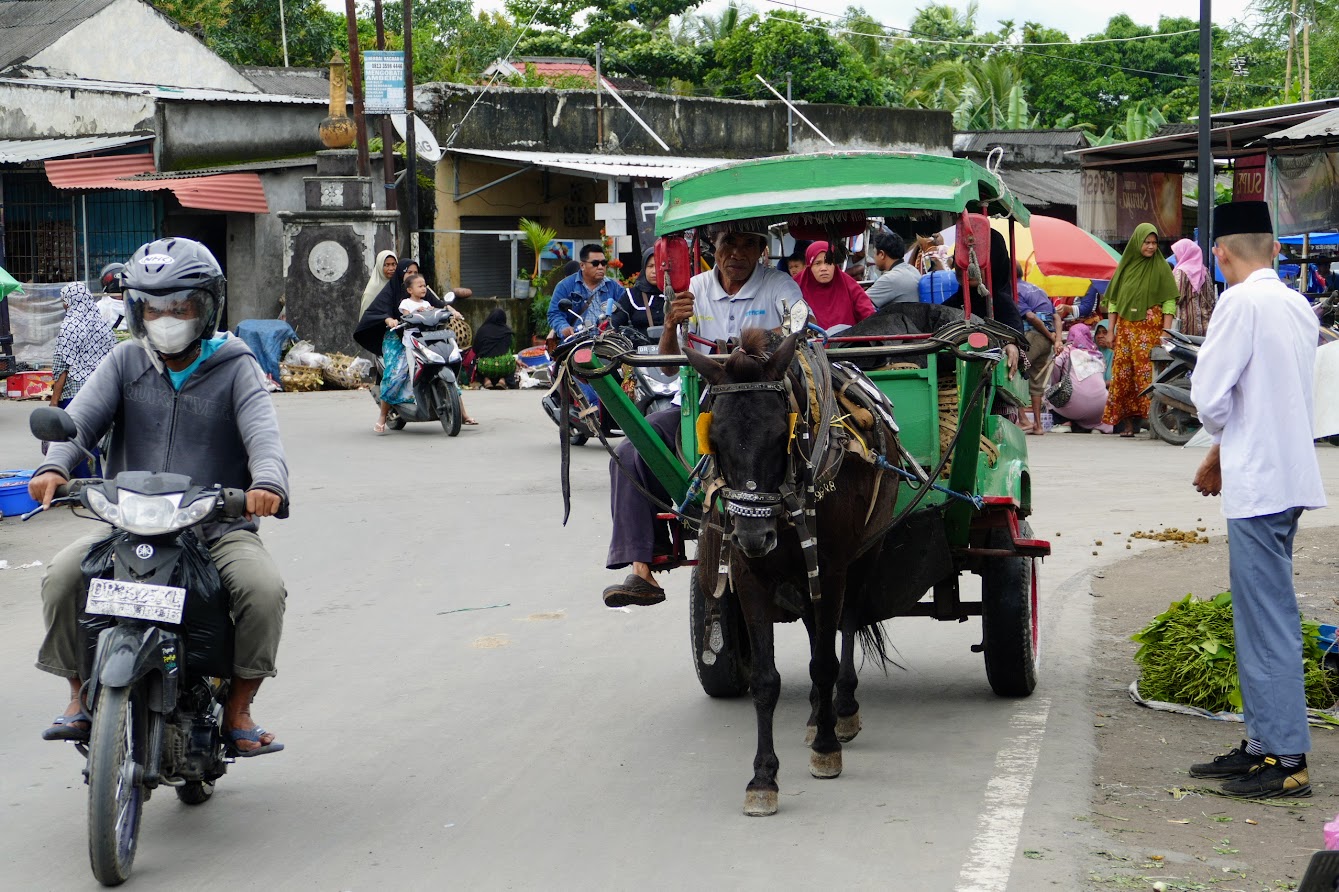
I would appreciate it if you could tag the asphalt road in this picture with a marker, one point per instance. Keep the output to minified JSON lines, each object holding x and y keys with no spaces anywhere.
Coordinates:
{"x":460,"y":709}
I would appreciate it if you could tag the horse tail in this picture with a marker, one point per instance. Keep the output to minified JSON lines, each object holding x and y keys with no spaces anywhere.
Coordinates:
{"x":874,"y":646}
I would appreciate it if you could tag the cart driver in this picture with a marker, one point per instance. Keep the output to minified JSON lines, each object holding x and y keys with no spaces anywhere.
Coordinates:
{"x":737,"y":294}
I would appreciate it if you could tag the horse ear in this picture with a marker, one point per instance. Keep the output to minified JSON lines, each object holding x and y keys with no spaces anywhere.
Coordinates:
{"x":782,"y":358}
{"x":711,"y":371}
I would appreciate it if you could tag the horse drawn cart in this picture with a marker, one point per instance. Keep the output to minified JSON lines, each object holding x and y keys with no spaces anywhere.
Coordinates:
{"x":955,"y":450}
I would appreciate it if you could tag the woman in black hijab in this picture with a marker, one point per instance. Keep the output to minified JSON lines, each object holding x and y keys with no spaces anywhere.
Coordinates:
{"x":493,"y":356}
{"x":384,"y":311}
{"x":642,"y":305}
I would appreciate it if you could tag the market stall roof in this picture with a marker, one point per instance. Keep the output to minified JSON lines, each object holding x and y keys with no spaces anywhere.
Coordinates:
{"x":1322,"y":129}
{"x":832,"y":183}
{"x":649,"y":167}
{"x":1043,"y":188}
{"x":239,"y":192}
{"x":17,"y":151}
{"x":1232,"y":136}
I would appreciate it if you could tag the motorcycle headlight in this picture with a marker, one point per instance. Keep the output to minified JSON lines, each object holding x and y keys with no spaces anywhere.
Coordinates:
{"x":150,"y":515}
{"x":433,"y":356}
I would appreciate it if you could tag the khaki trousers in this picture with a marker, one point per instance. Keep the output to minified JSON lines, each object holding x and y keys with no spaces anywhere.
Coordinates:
{"x":255,"y":591}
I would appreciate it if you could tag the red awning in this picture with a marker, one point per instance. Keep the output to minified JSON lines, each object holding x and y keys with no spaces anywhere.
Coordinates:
{"x":238,"y":192}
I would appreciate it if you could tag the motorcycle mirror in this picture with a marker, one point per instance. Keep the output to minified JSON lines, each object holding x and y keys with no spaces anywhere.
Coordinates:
{"x":449,"y":297}
{"x":655,"y":331}
{"x":52,"y":424}
{"x":797,"y":317}
{"x":564,"y":304}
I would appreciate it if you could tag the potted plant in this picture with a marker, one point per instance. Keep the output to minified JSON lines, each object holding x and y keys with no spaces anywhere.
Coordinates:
{"x":537,"y":238}
{"x":539,"y":317}
{"x":523,"y":288}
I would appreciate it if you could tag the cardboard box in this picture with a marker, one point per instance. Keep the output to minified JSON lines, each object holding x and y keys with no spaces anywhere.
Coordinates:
{"x":27,"y":385}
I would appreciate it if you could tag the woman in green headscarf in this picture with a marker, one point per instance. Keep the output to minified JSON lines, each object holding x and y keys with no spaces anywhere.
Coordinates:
{"x":1141,"y":303}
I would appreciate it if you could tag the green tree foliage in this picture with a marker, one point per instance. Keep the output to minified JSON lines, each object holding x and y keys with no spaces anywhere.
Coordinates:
{"x":246,"y":32}
{"x":451,"y":42}
{"x":823,"y":67}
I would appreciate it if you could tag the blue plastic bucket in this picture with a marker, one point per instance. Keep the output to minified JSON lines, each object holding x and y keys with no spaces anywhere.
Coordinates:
{"x":14,"y":498}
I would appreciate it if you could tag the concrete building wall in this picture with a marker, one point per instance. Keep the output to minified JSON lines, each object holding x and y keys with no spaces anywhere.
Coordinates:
{"x":256,"y":248}
{"x":203,"y":134}
{"x":566,"y":121}
{"x":34,"y":111}
{"x":168,"y":56}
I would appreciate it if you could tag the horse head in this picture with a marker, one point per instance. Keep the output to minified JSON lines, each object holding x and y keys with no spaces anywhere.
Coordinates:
{"x":750,"y":433}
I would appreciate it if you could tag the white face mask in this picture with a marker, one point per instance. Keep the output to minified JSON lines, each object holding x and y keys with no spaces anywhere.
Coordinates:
{"x":171,"y":336}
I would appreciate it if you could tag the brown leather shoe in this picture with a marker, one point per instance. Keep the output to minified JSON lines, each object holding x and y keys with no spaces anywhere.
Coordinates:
{"x":633,"y":592}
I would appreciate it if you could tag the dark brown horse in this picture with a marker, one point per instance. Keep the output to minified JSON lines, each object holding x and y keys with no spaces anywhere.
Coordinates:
{"x":768,"y":521}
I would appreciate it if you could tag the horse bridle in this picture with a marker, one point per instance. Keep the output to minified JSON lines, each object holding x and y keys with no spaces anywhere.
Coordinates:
{"x":787,"y":501}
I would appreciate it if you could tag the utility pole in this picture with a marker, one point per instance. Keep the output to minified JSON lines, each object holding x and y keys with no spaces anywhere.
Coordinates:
{"x":410,"y":140}
{"x":790,"y":117}
{"x":387,"y":142}
{"x":356,"y":82}
{"x":1292,"y":43}
{"x":283,"y":32}
{"x":1206,"y":190}
{"x":599,"y":96}
{"x":1306,"y":61}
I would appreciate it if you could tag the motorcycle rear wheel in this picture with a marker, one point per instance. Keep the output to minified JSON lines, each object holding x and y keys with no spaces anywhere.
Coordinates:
{"x":117,"y":754}
{"x":449,"y":411}
{"x":1170,"y":424}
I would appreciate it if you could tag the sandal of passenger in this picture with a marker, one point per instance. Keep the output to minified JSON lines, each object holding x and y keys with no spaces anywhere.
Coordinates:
{"x":253,"y":735}
{"x":633,"y":592}
{"x":65,"y":727}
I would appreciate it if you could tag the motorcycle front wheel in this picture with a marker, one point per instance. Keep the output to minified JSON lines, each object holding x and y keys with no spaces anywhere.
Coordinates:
{"x":449,"y":411}
{"x":1170,"y":424}
{"x":117,"y":754}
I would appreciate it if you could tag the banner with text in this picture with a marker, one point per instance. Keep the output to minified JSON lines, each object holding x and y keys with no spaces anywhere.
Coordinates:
{"x":1308,"y":192}
{"x":383,"y":82}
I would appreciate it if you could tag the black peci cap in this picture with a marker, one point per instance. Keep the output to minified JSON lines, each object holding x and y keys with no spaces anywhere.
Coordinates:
{"x":1242,"y":217}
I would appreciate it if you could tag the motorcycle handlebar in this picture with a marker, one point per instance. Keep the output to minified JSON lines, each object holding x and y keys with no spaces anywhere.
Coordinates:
{"x":234,"y":503}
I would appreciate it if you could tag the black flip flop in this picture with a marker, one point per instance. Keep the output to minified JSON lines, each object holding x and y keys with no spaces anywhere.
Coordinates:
{"x":63,"y":728}
{"x":633,"y":592}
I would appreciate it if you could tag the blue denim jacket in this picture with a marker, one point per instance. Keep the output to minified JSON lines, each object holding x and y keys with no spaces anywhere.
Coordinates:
{"x":590,"y":304}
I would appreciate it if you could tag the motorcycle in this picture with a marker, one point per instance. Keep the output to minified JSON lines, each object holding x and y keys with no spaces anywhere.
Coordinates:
{"x":1172,"y":415}
{"x":654,"y":387}
{"x":434,"y":363}
{"x":158,"y":651}
{"x":586,"y":418}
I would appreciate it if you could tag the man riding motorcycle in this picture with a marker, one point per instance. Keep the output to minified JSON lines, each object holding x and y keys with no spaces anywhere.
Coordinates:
{"x":184,"y":402}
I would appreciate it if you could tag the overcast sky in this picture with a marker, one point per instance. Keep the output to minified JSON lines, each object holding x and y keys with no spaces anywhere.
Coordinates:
{"x":1077,"y":19}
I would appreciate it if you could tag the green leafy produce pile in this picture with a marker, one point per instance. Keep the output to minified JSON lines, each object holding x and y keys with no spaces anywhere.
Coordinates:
{"x":1187,"y":656}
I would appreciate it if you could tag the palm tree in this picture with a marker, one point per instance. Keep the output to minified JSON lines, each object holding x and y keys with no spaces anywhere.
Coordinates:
{"x":711,"y":29}
{"x":983,"y":94}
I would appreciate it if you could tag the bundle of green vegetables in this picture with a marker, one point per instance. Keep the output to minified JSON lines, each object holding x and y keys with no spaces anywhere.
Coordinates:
{"x":1187,"y":656}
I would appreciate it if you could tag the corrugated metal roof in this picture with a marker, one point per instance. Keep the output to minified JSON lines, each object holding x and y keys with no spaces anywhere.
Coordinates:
{"x":1043,"y":188}
{"x":197,"y":94}
{"x":239,"y":192}
{"x":313,"y":83}
{"x":981,"y":141}
{"x":29,"y":26}
{"x":650,"y":167}
{"x":96,"y":173}
{"x":1325,"y":127}
{"x":16,"y":151}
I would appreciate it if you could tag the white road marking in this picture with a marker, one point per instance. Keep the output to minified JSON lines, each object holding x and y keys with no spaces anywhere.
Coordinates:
{"x":997,"y":828}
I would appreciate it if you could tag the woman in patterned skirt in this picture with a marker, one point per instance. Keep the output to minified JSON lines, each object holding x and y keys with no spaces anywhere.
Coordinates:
{"x":1141,"y":304}
{"x":1195,"y":292}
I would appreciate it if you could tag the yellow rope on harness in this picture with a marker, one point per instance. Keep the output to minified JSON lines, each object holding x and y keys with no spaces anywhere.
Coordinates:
{"x":703,"y":440}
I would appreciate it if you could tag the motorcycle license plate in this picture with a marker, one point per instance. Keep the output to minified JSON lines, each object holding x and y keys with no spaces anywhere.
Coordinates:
{"x":136,"y":600}
{"x":648,"y":348}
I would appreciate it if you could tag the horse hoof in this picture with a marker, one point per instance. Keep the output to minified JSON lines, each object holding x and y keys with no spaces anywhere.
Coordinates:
{"x":759,"y":803}
{"x":825,"y":765}
{"x":810,"y":732}
{"x":848,"y":726}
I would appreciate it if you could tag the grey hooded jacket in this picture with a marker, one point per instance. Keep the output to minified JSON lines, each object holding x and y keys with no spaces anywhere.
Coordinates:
{"x":220,"y":427}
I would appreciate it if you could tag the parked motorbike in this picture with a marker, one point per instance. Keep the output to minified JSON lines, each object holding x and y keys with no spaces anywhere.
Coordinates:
{"x":158,"y":652}
{"x":434,"y":366}
{"x":1172,"y":415}
{"x":586,"y":418}
{"x":654,"y":387}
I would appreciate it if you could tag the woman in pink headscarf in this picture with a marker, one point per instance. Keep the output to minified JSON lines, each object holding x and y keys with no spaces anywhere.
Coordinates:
{"x":1082,"y":363}
{"x":834,"y":298}
{"x":1195,"y":292}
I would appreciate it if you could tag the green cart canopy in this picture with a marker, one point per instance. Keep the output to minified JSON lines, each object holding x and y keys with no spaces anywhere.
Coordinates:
{"x":8,"y":284}
{"x":832,"y":186}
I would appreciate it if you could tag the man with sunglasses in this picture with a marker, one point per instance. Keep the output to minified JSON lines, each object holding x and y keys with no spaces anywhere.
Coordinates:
{"x":590,"y":292}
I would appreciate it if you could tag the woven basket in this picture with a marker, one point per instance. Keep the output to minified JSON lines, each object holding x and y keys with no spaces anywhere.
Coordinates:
{"x":340,"y":374}
{"x":464,"y":334}
{"x":299,"y":378}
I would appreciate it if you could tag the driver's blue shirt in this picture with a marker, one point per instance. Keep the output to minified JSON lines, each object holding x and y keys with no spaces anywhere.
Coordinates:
{"x":590,"y":304}
{"x":207,"y":348}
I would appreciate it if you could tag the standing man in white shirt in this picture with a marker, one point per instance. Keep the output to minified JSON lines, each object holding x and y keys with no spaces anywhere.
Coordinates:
{"x":1253,"y":390}
{"x":721,"y":302}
